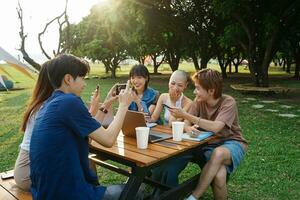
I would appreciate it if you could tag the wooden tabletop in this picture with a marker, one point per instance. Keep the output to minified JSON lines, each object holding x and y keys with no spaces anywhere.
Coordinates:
{"x":125,"y":147}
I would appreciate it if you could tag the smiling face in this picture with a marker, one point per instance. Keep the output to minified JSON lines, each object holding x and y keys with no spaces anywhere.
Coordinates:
{"x":203,"y":94}
{"x":208,"y":84}
{"x":139,"y":78}
{"x":138,"y":83}
{"x":177,"y":82}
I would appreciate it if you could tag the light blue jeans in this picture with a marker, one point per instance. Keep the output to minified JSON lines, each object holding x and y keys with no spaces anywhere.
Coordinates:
{"x":235,"y":148}
{"x":169,"y":172}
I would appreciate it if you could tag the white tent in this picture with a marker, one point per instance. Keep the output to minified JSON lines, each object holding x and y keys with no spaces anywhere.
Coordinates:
{"x":13,"y":62}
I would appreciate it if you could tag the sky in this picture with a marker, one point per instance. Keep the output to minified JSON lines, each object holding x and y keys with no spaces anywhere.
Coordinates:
{"x":36,"y":13}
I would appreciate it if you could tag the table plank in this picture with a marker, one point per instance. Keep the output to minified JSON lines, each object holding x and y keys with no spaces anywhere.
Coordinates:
{"x":163,"y":129}
{"x":158,"y":146}
{"x":148,"y":151}
{"x":187,"y":143}
{"x":138,"y":158}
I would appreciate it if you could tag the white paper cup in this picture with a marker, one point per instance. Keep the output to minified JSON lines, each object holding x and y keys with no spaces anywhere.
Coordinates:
{"x":177,"y":130}
{"x":142,"y":135}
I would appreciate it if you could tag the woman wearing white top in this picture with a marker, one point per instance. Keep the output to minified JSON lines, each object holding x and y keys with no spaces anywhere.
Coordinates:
{"x":175,"y":98}
{"x":42,"y":91}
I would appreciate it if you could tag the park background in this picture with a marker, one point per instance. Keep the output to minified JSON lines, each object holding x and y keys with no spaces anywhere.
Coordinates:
{"x":252,"y":43}
{"x":270,"y":169}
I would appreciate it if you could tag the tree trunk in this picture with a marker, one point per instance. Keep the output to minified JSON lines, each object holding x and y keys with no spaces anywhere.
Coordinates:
{"x":224,"y":75}
{"x":155,"y":63}
{"x":281,"y":62}
{"x":203,"y":62}
{"x":155,"y":69}
{"x":113,"y":71}
{"x":26,"y":57}
{"x":222,"y":64}
{"x":268,"y":54}
{"x":106,"y":66}
{"x":236,"y":62}
{"x":284,"y":64}
{"x":253,"y":64}
{"x":236,"y":67}
{"x":195,"y":60}
{"x":297,"y":59}
{"x":142,"y":59}
{"x":173,"y":60}
{"x":265,"y":77}
{"x":261,"y":58}
{"x":297,"y":68}
{"x":288,"y":65}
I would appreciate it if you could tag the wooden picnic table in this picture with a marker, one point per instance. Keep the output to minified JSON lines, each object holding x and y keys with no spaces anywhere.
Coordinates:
{"x":125,"y":152}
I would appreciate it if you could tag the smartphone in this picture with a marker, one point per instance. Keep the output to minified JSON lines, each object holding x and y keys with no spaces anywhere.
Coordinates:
{"x":195,"y":133}
{"x":201,"y":129}
{"x":120,"y":87}
{"x":165,"y":105}
{"x":7,"y":175}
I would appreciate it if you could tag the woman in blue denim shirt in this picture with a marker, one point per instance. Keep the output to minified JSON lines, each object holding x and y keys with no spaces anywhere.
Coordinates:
{"x":146,"y":97}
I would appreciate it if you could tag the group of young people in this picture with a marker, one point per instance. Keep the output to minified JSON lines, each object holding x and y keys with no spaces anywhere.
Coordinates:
{"x":53,"y":158}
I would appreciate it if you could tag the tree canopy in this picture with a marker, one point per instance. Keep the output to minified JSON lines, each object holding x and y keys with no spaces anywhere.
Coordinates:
{"x":227,"y":30}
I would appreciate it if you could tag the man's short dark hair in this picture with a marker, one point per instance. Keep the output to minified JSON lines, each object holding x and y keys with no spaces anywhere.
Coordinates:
{"x":66,"y":64}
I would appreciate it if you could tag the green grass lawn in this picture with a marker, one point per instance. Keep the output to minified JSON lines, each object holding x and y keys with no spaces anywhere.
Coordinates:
{"x":271,"y":166}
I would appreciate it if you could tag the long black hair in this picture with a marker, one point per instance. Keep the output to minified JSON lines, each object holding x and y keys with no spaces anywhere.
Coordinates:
{"x":140,"y":70}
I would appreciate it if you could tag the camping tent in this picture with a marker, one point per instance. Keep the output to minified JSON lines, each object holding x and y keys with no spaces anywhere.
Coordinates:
{"x":13,"y":62}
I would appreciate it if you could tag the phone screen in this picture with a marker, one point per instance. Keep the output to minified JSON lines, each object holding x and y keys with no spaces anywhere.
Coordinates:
{"x":201,"y":129}
{"x":6,"y":175}
{"x":120,"y":87}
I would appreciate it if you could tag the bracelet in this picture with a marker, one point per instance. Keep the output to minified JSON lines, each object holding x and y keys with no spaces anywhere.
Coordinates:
{"x":198,"y":122}
{"x":103,"y":110}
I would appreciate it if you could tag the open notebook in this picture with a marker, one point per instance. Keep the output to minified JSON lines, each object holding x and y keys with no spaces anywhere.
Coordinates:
{"x":200,"y":137}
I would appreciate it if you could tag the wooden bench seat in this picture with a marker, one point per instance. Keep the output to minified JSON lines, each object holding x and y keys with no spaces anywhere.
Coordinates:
{"x":5,"y":195}
{"x":10,"y":191}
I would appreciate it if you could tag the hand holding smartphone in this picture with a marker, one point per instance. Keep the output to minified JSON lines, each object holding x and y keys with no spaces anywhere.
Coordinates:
{"x":195,"y":133}
{"x":168,"y":107}
{"x":120,"y":87}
